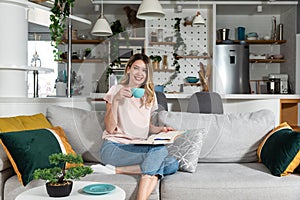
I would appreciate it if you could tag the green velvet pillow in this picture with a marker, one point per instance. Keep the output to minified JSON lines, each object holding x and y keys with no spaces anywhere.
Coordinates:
{"x":280,"y":150}
{"x":30,"y":149}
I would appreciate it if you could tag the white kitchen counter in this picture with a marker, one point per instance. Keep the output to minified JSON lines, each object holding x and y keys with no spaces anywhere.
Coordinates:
{"x":232,"y":103}
{"x":240,"y":96}
{"x":223,"y":96}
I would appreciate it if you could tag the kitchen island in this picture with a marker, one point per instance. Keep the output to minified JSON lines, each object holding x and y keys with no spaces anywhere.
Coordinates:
{"x":284,"y":106}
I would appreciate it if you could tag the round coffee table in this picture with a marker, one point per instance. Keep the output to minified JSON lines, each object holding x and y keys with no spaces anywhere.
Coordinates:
{"x":40,"y":193}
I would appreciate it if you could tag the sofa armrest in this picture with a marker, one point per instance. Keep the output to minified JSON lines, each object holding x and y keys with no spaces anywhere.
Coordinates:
{"x":4,"y":161}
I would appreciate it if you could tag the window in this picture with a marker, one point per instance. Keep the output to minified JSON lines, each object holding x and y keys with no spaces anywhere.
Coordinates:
{"x":46,"y":81}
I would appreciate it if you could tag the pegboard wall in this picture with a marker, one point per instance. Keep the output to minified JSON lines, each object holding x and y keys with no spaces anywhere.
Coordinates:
{"x":195,"y":38}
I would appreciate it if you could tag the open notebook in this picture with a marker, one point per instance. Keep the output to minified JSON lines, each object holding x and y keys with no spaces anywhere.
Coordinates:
{"x":160,"y":138}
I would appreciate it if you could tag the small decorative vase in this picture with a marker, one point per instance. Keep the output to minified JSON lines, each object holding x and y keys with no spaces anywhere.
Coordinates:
{"x":155,"y":65}
{"x":59,"y":190}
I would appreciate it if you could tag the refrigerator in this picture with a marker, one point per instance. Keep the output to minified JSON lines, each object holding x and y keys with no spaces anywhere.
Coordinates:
{"x":232,"y":69}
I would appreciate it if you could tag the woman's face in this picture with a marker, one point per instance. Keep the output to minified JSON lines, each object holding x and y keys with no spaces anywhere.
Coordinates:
{"x":137,"y":73}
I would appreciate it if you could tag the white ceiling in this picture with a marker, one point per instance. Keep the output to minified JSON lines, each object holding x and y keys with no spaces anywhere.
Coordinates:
{"x":86,"y":7}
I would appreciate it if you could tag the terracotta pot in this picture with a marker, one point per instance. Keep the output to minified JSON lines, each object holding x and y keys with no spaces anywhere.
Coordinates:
{"x":59,"y":190}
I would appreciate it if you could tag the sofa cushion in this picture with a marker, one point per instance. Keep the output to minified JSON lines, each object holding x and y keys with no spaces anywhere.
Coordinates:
{"x":186,"y":149}
{"x":30,"y":149}
{"x":30,"y":122}
{"x":83,"y":128}
{"x":280,"y":150}
{"x":18,"y":123}
{"x":231,"y":137}
{"x":230,"y":181}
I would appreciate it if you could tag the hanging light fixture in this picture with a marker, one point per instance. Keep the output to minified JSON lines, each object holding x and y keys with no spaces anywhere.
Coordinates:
{"x":198,"y":19}
{"x":150,"y":9}
{"x":101,"y":27}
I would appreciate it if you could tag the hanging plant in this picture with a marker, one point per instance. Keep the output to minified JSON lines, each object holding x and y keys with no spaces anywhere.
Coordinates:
{"x":179,"y":45}
{"x":60,"y":12}
{"x":116,"y":28}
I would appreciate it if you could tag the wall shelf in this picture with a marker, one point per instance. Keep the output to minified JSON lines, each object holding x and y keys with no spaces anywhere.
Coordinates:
{"x":164,"y":70}
{"x":196,"y":57}
{"x":267,"y":60}
{"x":85,"y":60}
{"x":133,"y":39}
{"x":192,"y":84}
{"x":255,"y":41}
{"x":85,"y":41}
{"x":161,"y":43}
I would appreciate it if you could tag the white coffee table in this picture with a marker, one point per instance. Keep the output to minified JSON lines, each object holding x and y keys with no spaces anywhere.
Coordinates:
{"x":40,"y":193}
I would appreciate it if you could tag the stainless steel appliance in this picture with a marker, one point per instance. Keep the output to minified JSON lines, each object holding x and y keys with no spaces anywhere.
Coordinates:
{"x":283,"y":85}
{"x":232,"y":68}
{"x":125,"y":52}
{"x":273,"y":86}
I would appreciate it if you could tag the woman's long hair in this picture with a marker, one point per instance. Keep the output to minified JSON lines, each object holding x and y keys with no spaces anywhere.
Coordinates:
{"x":148,"y":84}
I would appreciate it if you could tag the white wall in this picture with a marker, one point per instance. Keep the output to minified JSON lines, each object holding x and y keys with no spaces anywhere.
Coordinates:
{"x":297,"y":90}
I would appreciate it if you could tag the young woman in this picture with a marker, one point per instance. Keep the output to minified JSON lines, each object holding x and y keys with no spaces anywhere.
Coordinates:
{"x":128,"y":118}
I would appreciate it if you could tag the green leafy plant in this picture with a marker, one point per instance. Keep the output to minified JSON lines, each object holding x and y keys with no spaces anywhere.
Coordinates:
{"x":116,"y":28}
{"x":155,"y":58}
{"x":58,"y":173}
{"x":179,"y":45}
{"x":60,"y":12}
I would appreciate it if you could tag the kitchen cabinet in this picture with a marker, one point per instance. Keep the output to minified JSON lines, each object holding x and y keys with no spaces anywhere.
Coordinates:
{"x":86,"y":44}
{"x":289,"y":111}
{"x":235,"y":14}
{"x":85,"y":71}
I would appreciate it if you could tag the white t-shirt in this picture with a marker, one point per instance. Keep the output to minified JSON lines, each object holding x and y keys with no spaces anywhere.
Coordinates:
{"x":133,"y":118}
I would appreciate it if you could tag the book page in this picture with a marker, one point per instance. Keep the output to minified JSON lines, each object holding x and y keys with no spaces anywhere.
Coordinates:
{"x":160,"y":138}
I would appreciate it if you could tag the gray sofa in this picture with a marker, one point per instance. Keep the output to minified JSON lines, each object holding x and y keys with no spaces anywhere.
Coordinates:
{"x":226,"y":165}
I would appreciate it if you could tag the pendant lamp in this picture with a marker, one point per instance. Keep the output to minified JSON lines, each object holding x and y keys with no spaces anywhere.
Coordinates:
{"x":150,"y":9}
{"x":198,"y":19}
{"x":101,"y":27}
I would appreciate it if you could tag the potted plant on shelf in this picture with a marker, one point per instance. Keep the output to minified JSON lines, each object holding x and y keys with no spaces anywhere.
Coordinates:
{"x":59,"y":179}
{"x":60,"y":11}
{"x":155,"y":61}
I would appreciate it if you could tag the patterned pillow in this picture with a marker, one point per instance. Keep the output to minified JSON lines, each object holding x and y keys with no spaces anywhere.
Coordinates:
{"x":186,"y":149}
{"x":30,"y":149}
{"x":280,"y":150}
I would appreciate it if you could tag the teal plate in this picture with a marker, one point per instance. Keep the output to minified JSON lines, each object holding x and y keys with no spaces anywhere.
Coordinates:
{"x":99,"y":188}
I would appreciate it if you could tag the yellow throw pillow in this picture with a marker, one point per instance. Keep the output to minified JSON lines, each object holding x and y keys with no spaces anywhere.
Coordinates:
{"x":19,"y":123}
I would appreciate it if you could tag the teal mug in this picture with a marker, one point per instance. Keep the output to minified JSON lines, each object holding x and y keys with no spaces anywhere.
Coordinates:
{"x":138,"y":92}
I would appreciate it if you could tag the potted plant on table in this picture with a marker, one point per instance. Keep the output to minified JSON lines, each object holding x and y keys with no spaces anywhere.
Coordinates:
{"x":59,"y":179}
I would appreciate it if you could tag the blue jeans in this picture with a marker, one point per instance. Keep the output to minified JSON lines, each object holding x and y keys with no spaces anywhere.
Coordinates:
{"x":152,"y":159}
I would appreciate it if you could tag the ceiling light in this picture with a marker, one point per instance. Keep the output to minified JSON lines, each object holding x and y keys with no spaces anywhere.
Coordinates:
{"x":150,"y":9}
{"x":101,"y":27}
{"x":198,"y":19}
